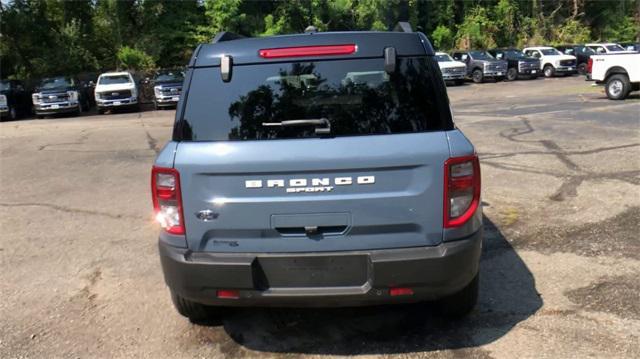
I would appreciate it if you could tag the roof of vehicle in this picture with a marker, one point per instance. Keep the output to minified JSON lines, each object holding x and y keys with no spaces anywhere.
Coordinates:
{"x":538,"y":48}
{"x":115,"y":73}
{"x":506,"y":49}
{"x":368,"y":44}
{"x":601,"y":44}
{"x":441,"y":53}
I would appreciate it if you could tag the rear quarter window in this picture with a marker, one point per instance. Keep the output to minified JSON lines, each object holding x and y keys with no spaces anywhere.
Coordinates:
{"x":355,"y":95}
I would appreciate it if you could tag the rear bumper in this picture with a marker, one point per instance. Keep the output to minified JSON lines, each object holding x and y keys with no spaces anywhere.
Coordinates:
{"x":432,"y":273}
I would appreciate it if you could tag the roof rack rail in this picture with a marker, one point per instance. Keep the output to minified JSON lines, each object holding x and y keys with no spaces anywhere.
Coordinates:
{"x":225,"y":36}
{"x":403,"y":26}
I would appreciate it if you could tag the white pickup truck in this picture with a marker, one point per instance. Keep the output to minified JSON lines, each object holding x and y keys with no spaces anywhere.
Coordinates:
{"x":620,"y":73}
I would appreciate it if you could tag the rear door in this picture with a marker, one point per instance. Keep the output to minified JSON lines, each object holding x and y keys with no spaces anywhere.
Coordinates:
{"x":375,"y":180}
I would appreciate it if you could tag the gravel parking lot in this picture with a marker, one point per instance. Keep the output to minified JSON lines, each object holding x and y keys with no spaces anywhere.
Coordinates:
{"x":560,"y":268}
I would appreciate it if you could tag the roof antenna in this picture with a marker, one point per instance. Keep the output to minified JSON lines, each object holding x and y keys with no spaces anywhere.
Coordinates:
{"x":310,"y":29}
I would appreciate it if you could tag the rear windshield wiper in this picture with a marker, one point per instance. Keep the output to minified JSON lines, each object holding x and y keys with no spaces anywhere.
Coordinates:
{"x":304,"y":122}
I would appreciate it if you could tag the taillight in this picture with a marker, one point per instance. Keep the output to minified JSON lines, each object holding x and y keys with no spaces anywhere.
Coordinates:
{"x":299,"y":51}
{"x":589,"y":65}
{"x":167,"y":200}
{"x":461,"y":189}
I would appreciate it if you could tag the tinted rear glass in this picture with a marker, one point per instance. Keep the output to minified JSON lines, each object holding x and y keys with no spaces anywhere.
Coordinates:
{"x":356,"y":96}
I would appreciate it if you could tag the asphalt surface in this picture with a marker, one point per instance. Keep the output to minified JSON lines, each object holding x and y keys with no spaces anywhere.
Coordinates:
{"x":561,"y":191}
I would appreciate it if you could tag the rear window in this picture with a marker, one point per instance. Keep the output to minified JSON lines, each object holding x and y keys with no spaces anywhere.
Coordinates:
{"x":356,"y":96}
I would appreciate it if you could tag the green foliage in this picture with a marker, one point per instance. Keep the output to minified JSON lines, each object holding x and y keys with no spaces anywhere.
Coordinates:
{"x":442,"y":38}
{"x":506,"y":21}
{"x":570,"y":32}
{"x":477,"y":30}
{"x":626,"y":29}
{"x":134,"y":59}
{"x":52,"y":37}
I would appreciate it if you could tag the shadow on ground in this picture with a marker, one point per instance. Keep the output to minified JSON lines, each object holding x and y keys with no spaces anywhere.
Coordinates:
{"x":508,"y":296}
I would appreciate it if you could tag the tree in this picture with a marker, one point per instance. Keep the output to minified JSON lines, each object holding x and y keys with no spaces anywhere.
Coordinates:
{"x":51,"y":37}
{"x":134,"y":59}
{"x":442,"y":38}
{"x":477,"y":30}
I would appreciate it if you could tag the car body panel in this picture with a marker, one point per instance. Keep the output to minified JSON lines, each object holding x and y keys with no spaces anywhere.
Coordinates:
{"x":116,"y":95}
{"x":524,"y":65}
{"x":57,"y":99}
{"x":561,"y":63}
{"x":452,"y":70}
{"x":331,"y":220}
{"x":490,"y":66}
{"x":16,"y":101}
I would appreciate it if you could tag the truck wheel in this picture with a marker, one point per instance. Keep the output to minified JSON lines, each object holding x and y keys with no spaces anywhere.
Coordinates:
{"x":477,"y":76}
{"x":617,"y":87}
{"x":512,"y":74}
{"x":582,"y":68}
{"x":549,"y":71}
{"x":196,"y":312}
{"x":13,"y":114}
{"x":459,"y":304}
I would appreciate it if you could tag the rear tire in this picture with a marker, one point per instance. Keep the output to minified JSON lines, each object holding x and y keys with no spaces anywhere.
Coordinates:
{"x":512,"y":74}
{"x":459,"y":304}
{"x":617,"y":87}
{"x":196,"y":312}
{"x":549,"y":71}
{"x":477,"y":76}
{"x":13,"y":114}
{"x":582,"y":68}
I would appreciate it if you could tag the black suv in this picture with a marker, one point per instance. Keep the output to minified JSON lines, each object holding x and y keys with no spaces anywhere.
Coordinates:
{"x":14,"y":99}
{"x":582,"y":54}
{"x":167,"y":88}
{"x":519,"y":64}
{"x":60,"y":94}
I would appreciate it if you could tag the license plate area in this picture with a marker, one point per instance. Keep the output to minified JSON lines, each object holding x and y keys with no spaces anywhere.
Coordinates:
{"x":310,"y":271}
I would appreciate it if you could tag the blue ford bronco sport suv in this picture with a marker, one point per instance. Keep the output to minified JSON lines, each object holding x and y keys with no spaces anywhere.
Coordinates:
{"x":317,"y":169}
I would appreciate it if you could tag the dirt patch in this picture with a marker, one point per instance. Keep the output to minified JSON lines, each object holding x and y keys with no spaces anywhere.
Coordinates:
{"x":617,"y":295}
{"x":616,"y":237}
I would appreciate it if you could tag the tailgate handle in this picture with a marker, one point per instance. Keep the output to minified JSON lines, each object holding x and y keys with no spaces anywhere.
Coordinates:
{"x":314,"y":224}
{"x":311,"y":231}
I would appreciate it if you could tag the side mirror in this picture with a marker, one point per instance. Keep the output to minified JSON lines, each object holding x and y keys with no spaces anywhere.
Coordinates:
{"x":389,"y":60}
{"x":226,"y":68}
